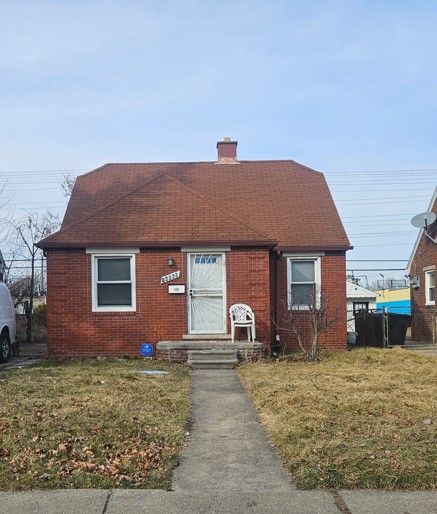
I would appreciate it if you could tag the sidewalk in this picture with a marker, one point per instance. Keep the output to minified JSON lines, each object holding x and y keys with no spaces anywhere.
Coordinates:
{"x":228,"y":466}
{"x":84,"y":501}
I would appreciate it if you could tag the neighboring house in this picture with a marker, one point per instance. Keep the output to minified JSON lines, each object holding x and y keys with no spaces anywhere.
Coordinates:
{"x":359,"y":300}
{"x":422,"y":270}
{"x":395,"y":301}
{"x":37,"y":301}
{"x":160,"y":251}
{"x":2,"y":268}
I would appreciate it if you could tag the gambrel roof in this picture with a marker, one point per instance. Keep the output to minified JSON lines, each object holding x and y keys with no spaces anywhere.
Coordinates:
{"x":274,"y":203}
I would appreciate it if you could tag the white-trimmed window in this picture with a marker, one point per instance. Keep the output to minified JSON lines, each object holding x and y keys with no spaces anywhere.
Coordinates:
{"x":360,"y":307}
{"x":113,"y":279}
{"x":430,"y":287}
{"x":303,"y":276}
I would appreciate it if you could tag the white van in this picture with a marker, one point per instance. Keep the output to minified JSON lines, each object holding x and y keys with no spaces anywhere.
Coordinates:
{"x":7,"y":322}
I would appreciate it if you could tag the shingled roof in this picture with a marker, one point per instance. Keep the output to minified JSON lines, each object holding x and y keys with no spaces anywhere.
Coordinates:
{"x":268,"y":203}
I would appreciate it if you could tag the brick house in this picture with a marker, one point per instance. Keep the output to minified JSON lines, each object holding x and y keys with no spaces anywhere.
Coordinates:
{"x":157,"y":252}
{"x":422,"y":269}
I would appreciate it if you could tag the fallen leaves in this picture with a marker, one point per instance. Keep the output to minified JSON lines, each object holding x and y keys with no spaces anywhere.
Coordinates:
{"x":92,"y":426}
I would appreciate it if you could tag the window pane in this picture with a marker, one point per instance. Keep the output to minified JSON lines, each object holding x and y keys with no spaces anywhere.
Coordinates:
{"x":205,"y":259}
{"x":361,"y":306}
{"x":302,"y":271}
{"x":302,"y":294}
{"x":114,"y":269}
{"x":114,"y":294}
{"x":432,"y":279}
{"x":432,"y":294}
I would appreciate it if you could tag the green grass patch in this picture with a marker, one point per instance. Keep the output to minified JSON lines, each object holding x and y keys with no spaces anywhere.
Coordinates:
{"x":91,"y":424}
{"x":360,"y":419}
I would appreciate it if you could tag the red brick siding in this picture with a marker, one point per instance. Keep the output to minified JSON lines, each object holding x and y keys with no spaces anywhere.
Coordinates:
{"x":333,"y":284}
{"x":74,"y":330}
{"x":424,"y":316}
{"x":248,"y":274}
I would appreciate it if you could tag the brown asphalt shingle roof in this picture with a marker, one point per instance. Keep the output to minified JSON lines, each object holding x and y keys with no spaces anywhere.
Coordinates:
{"x":164,"y":204}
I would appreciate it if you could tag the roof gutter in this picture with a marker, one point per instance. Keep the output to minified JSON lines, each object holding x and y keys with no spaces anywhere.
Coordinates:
{"x":325,"y":248}
{"x":46,"y":244}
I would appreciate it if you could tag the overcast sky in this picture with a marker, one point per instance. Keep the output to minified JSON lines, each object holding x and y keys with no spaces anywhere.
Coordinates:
{"x":346,"y":87}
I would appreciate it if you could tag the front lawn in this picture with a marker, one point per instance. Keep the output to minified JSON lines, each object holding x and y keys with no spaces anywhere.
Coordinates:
{"x":91,"y":424}
{"x":361,"y":419}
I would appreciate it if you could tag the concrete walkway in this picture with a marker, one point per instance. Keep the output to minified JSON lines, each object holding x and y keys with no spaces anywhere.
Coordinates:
{"x":228,"y":466}
{"x":228,"y":450}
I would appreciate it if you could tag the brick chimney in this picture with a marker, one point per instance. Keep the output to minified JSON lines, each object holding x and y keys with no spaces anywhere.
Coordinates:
{"x":227,"y":151}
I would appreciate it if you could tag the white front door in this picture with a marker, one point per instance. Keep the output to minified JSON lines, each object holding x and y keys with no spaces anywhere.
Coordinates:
{"x":206,"y":293}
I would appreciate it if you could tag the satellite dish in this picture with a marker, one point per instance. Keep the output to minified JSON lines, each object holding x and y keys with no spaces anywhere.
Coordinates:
{"x":423,"y":220}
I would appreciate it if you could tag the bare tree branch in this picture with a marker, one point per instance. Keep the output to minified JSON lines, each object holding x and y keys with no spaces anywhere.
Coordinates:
{"x":307,"y":320}
{"x":67,"y":184}
{"x":25,"y":234}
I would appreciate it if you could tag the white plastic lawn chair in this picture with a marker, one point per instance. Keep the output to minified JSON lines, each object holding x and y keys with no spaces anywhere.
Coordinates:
{"x":242,"y":316}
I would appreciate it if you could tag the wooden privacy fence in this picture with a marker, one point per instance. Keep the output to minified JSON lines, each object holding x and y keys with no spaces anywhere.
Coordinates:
{"x":381,"y":329}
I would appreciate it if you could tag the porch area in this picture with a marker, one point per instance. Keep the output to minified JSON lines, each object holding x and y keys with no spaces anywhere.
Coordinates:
{"x":185,"y":350}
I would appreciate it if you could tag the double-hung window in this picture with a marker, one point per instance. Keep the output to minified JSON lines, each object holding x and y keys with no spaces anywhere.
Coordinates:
{"x":113,"y":282}
{"x":430,"y":287}
{"x":303,"y":282}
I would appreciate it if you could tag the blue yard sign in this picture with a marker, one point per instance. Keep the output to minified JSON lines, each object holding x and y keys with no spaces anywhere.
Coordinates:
{"x":146,"y":350}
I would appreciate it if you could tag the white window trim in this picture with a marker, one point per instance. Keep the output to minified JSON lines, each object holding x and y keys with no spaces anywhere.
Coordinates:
{"x":113,"y":308}
{"x":303,"y":256}
{"x":317,"y":278}
{"x":427,"y":287}
{"x":112,"y":251}
{"x":205,"y":249}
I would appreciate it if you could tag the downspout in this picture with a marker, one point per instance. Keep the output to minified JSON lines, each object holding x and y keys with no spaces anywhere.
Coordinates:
{"x":275,"y":344}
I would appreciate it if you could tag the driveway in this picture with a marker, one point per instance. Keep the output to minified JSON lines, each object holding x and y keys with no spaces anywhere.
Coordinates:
{"x":29,"y":354}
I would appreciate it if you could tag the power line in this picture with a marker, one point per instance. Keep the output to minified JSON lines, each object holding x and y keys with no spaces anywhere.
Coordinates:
{"x":377,"y":260}
{"x":384,"y":245}
{"x":375,"y":269}
{"x":58,"y":170}
{"x":379,"y":215}
{"x":382,"y":202}
{"x":403,"y":170}
{"x":422,"y":170}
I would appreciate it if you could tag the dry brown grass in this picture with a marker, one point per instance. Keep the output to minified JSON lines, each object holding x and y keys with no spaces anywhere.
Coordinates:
{"x":355,"y":419}
{"x":95,"y":423}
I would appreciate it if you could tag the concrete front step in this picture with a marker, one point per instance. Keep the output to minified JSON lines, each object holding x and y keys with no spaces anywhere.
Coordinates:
{"x":206,"y":337}
{"x":179,"y":350}
{"x":210,"y":364}
{"x":212,"y":359}
{"x":209,"y":345}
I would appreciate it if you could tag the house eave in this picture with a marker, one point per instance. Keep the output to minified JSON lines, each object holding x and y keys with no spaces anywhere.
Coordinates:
{"x":47,"y":244}
{"x":323,"y":248}
{"x":420,"y":234}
